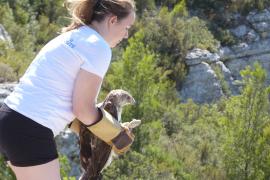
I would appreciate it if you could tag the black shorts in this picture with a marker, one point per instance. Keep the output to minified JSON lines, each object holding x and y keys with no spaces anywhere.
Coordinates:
{"x":23,"y":141}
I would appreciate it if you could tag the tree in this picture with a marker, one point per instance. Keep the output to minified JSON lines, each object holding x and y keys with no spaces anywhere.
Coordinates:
{"x":246,"y":149}
{"x":171,"y":35}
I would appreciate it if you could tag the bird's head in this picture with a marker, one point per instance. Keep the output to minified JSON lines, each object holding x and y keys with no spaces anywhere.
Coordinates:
{"x":120,"y":97}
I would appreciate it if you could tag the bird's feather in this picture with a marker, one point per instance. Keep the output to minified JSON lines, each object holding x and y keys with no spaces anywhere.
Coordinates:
{"x":95,"y":153}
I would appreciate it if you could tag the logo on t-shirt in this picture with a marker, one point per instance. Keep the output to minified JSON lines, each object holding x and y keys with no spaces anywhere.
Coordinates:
{"x":70,"y":43}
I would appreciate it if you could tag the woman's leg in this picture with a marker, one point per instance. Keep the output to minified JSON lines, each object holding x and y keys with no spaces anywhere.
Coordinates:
{"x":28,"y":146}
{"x":48,"y":171}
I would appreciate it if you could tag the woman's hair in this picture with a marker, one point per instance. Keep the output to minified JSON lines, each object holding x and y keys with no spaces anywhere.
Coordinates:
{"x":83,"y":12}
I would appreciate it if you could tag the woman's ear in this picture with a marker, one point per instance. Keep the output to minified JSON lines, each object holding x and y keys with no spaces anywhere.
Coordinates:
{"x":113,"y":19}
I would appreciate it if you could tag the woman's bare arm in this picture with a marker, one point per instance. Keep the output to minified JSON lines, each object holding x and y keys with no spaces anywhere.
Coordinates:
{"x":85,"y":94}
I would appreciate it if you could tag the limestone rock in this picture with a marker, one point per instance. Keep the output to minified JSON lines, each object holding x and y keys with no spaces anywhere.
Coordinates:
{"x":244,"y":50}
{"x":245,"y":33}
{"x":201,"y":84}
{"x":4,"y":36}
{"x":240,"y":31}
{"x":196,"y":56}
{"x":260,"y":21}
{"x":255,"y":16}
{"x":5,"y":90}
{"x":236,"y":65}
{"x":67,"y":144}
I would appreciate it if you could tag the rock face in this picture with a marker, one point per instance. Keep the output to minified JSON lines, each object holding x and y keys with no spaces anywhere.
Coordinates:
{"x":201,"y":78}
{"x":212,"y":75}
{"x":5,"y":90}
{"x":4,"y":36}
{"x":67,"y":144}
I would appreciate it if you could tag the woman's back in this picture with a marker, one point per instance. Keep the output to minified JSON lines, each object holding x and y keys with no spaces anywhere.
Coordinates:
{"x":48,"y":83}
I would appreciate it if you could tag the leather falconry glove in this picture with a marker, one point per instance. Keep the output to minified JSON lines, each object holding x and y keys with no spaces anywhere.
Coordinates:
{"x":110,"y":131}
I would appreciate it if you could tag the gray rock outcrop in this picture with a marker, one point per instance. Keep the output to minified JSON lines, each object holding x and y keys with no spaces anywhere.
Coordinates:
{"x":5,"y":90}
{"x":201,"y":83}
{"x":4,"y":36}
{"x":67,"y":144}
{"x":212,"y":75}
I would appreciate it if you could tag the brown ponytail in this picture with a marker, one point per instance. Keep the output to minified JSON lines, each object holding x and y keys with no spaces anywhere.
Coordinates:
{"x":83,"y":12}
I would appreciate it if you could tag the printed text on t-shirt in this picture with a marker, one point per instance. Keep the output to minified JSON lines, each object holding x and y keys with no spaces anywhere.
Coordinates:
{"x":70,"y":43}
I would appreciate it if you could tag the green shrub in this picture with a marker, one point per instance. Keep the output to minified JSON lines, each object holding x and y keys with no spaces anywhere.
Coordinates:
{"x":246,"y":123}
{"x":5,"y":172}
{"x":170,"y":36}
{"x":6,"y":73}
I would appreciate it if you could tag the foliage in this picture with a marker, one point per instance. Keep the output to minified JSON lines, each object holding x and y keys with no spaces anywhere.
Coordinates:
{"x":180,"y":9}
{"x":246,"y":147}
{"x":65,"y":167}
{"x":5,"y":172}
{"x":137,"y":73}
{"x":171,"y":37}
{"x":135,"y":166}
{"x":143,"y":6}
{"x":17,"y":60}
{"x":220,"y":76}
{"x":28,"y":30}
{"x":242,"y":6}
{"x":6,"y":73}
{"x":198,"y":140}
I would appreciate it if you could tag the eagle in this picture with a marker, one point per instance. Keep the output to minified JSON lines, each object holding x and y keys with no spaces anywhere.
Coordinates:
{"x":95,"y":153}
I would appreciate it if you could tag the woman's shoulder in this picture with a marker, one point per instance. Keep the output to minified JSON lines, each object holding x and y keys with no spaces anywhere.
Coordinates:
{"x":84,"y":37}
{"x":92,"y":36}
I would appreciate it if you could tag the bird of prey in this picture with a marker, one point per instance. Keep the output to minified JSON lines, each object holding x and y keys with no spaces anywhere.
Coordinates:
{"x":95,"y":153}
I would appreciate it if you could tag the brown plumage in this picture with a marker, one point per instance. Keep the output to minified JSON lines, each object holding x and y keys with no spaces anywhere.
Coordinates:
{"x":94,"y":153}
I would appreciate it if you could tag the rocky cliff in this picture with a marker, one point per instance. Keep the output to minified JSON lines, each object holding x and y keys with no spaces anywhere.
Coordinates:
{"x":213,"y":75}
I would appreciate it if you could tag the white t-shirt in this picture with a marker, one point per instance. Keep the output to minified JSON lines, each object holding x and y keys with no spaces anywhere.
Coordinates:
{"x":44,"y":93}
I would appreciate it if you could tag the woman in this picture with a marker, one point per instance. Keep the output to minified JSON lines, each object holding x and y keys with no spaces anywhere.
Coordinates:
{"x":62,"y":83}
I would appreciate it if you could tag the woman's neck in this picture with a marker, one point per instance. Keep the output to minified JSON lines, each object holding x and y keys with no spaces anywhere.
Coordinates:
{"x":100,"y":28}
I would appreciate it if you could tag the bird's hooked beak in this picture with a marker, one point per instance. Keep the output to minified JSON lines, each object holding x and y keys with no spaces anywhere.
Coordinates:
{"x":132,"y":101}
